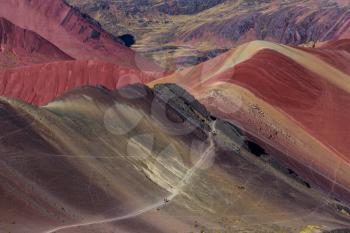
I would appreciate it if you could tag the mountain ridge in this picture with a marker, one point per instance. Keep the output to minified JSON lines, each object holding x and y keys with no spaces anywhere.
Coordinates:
{"x":154,"y":160}
{"x":22,"y":47}
{"x":72,"y":32}
{"x":223,"y":25}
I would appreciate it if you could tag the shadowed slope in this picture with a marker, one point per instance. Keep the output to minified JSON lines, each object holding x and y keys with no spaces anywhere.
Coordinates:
{"x":58,"y":179}
{"x":23,"y":47}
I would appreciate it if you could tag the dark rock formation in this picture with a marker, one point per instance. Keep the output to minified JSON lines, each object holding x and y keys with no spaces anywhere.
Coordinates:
{"x":181,"y":107}
{"x":127,"y":39}
{"x":339,"y":231}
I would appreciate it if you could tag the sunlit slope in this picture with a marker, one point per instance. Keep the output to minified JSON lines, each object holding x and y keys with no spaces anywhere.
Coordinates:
{"x":95,"y":161}
{"x":80,"y":159}
{"x":209,"y":69}
{"x":73,"y":33}
{"x":39,"y":84}
{"x":296,"y":99}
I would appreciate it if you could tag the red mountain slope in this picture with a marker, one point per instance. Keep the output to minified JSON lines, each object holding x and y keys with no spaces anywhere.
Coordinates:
{"x":19,"y":46}
{"x":343,"y":44}
{"x":41,"y":83}
{"x":72,"y":32}
{"x":295,"y":100}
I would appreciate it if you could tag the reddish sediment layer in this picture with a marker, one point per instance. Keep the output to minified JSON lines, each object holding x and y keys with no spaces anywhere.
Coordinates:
{"x":294,"y":100}
{"x":343,"y":44}
{"x":317,"y":106}
{"x":39,"y":84}
{"x":303,"y":95}
{"x":20,"y":47}
{"x":73,"y":33}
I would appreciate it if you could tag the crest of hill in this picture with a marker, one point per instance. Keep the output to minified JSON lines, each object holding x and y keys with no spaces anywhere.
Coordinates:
{"x":72,"y":32}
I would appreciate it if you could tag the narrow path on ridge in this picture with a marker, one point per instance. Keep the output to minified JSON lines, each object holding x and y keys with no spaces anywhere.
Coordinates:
{"x":177,"y":190}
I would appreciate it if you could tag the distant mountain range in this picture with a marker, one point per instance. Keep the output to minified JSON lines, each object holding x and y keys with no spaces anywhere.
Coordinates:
{"x":180,"y":33}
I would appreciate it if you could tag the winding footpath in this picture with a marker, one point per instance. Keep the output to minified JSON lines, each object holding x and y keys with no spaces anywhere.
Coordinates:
{"x":208,"y":153}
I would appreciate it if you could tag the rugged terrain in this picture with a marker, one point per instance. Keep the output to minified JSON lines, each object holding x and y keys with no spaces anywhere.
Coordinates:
{"x":268,"y":166}
{"x":294,"y":99}
{"x":96,"y":138}
{"x":75,"y":34}
{"x":96,"y":160}
{"x":181,"y":33}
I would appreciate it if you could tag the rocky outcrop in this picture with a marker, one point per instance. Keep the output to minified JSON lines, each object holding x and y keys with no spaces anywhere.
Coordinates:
{"x":287,"y":98}
{"x":180,"y":106}
{"x":339,"y":231}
